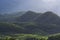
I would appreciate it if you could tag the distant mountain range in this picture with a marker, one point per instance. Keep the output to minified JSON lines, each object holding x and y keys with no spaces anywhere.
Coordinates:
{"x":30,"y":23}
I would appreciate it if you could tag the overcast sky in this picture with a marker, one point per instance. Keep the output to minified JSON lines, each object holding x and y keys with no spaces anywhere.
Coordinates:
{"x":33,"y":5}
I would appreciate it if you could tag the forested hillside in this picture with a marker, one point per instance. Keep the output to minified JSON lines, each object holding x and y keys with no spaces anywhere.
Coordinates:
{"x":42,"y":24}
{"x":30,"y":23}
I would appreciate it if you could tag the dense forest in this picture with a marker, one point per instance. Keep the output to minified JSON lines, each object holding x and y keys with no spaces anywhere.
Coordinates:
{"x":30,"y":26}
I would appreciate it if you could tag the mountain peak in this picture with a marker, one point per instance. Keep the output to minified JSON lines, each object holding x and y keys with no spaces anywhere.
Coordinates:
{"x":49,"y":13}
{"x":48,"y":17}
{"x":30,"y":12}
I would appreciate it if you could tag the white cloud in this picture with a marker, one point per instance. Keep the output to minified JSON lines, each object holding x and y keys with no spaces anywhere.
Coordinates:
{"x":49,"y":0}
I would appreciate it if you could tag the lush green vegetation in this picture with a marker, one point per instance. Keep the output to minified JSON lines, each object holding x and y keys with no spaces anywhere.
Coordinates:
{"x":30,"y":26}
{"x":29,"y":37}
{"x":24,"y":37}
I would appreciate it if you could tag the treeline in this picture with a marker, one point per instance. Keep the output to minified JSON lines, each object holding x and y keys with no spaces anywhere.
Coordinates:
{"x":29,"y":37}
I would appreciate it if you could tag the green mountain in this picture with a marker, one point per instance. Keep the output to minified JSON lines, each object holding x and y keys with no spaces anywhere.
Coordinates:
{"x":28,"y":16}
{"x":47,"y":22}
{"x":49,"y":18}
{"x":30,"y":23}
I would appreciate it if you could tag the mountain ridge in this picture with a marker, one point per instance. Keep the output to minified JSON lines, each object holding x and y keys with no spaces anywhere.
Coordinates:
{"x":32,"y":23}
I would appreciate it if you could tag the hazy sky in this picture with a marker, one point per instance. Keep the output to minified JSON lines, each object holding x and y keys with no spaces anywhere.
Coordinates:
{"x":34,"y":5}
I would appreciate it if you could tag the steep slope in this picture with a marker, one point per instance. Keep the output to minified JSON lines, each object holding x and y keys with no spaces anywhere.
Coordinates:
{"x":32,"y":23}
{"x":28,"y":16}
{"x":48,"y":22}
{"x":49,"y":18}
